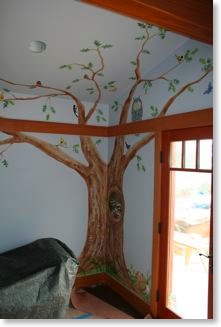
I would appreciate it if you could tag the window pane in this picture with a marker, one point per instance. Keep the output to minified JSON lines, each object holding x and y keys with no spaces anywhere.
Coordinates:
{"x":190,"y":154}
{"x":190,"y":201}
{"x":176,"y":155}
{"x":205,"y":154}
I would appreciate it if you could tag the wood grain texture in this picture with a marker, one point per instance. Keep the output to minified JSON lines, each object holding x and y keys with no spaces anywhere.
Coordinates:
{"x":202,"y":117}
{"x":12,"y":125}
{"x":190,"y":18}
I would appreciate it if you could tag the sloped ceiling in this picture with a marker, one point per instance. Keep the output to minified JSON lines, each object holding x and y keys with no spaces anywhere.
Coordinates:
{"x":67,"y":26}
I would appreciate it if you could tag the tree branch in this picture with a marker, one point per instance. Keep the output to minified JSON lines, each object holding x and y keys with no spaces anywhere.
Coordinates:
{"x":94,"y":107}
{"x":9,"y":140}
{"x":146,"y":139}
{"x":81,"y":108}
{"x":51,"y":150}
{"x":182,"y":89}
{"x":135,"y":148}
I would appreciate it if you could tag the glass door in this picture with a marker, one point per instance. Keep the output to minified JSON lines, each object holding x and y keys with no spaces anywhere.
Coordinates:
{"x":186,"y":244}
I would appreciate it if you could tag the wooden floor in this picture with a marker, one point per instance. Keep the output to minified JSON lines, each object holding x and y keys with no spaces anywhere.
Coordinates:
{"x":88,"y":306}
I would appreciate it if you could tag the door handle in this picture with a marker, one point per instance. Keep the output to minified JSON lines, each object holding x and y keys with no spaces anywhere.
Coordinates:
{"x":206,"y":256}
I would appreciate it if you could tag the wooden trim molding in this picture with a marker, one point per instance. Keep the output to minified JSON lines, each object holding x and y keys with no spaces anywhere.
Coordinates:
{"x":102,"y":278}
{"x":89,"y":280}
{"x":17,"y":125}
{"x":202,"y":117}
{"x":196,"y":118}
{"x":190,"y":18}
{"x":156,"y":225}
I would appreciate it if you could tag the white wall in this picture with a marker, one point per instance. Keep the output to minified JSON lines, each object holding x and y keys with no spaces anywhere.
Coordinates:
{"x":40,"y":197}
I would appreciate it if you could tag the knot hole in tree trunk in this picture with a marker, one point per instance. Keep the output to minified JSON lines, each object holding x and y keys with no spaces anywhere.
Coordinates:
{"x":116,"y":204}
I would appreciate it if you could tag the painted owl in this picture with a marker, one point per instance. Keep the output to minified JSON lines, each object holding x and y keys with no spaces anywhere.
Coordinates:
{"x":137,"y":109}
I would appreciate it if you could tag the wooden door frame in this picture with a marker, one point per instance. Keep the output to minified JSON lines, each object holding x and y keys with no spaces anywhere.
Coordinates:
{"x":159,"y":237}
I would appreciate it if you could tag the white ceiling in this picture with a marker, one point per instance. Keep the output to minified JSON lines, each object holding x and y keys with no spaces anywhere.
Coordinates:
{"x":67,"y":26}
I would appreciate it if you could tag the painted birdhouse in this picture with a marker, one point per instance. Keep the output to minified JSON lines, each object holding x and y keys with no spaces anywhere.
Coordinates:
{"x":137,"y":109}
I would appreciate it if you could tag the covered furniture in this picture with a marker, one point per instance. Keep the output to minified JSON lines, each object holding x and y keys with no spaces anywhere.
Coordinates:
{"x":36,"y":280}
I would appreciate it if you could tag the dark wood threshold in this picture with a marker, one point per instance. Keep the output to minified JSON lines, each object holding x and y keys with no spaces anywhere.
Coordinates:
{"x":102,"y":278}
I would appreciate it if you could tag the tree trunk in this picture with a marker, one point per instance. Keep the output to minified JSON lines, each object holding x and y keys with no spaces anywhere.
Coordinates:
{"x":105,"y":234}
{"x":115,"y":221}
{"x":93,"y":254}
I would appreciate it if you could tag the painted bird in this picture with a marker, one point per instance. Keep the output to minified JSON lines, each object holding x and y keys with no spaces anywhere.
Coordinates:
{"x":179,"y":58}
{"x":38,"y":83}
{"x":209,"y":89}
{"x":62,"y":141}
{"x":75,"y":110}
{"x":127,"y":145}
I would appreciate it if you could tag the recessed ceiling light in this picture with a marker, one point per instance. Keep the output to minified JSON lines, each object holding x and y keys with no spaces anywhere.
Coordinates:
{"x":37,"y":46}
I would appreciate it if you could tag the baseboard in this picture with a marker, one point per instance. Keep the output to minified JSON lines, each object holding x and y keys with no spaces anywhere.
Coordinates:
{"x":84,"y":281}
{"x":102,"y":278}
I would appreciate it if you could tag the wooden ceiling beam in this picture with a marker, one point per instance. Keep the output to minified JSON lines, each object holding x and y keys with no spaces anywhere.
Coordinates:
{"x":191,"y":18}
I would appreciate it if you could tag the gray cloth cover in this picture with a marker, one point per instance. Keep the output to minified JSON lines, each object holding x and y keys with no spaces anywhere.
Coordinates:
{"x":36,"y":280}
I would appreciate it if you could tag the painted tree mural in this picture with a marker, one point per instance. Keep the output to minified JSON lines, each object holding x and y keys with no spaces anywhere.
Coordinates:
{"x":104,"y":241}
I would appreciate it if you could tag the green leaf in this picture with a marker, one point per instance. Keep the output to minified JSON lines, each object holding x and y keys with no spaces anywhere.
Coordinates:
{"x":68,"y":87}
{"x":153,"y":111}
{"x":5,"y":104}
{"x":162,"y":32}
{"x":138,"y":157}
{"x":98,"y":141}
{"x":75,"y":80}
{"x":115,"y":106}
{"x":190,"y":89}
{"x":146,"y":51}
{"x":100,"y":112}
{"x":98,"y":119}
{"x":4,"y":163}
{"x":52,"y":109}
{"x":133,"y":63}
{"x":85,"y":50}
{"x":202,"y":61}
{"x":62,"y":66}
{"x":141,"y":25}
{"x":139,"y":38}
{"x":106,"y":46}
{"x":132,"y":78}
{"x":44,"y":108}
{"x":138,"y":166}
{"x":100,"y":74}
{"x":11,"y":102}
{"x":97,"y":43}
{"x":76,"y":147}
{"x":6,"y":90}
{"x":111,"y":82}
{"x":103,"y":118}
{"x":149,"y":25}
{"x":69,"y":67}
{"x":143,"y":168}
{"x":90,"y":65}
{"x":47,"y":116}
{"x":194,"y":51}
